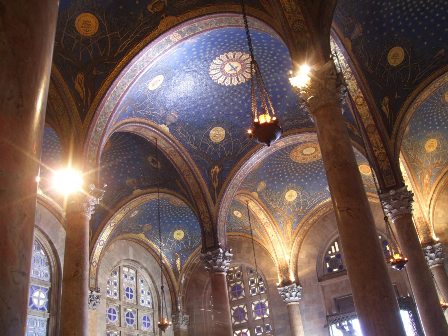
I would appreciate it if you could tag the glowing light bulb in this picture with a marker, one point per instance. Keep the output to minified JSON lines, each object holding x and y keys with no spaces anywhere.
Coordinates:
{"x":67,"y":181}
{"x":302,"y":78}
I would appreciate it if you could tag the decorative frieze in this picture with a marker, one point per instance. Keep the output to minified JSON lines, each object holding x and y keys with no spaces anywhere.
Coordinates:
{"x":290,"y":293}
{"x":434,"y":254}
{"x":217,"y":260}
{"x":94,"y":298}
{"x":397,"y":202}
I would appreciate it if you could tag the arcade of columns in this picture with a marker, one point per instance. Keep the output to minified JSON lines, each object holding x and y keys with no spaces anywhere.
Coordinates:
{"x":25,"y":72}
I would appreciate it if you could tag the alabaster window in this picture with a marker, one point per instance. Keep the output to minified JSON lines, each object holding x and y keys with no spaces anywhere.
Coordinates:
{"x":333,"y":260}
{"x":249,"y":302}
{"x":39,"y":292}
{"x":129,"y":304}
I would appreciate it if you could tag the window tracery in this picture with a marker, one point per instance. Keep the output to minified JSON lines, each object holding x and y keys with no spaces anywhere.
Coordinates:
{"x":129,"y":303}
{"x":249,"y":302}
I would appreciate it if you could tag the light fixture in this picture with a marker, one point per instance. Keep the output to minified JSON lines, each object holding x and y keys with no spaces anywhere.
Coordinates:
{"x":163,"y":324}
{"x":396,"y":259}
{"x":302,"y":78}
{"x":265,"y":125}
{"x":67,"y":181}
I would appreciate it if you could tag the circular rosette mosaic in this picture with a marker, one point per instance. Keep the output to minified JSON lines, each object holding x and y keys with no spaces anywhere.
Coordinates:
{"x":231,"y":68}
{"x":306,"y":152}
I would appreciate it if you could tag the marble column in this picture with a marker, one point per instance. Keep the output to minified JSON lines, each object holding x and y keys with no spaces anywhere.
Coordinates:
{"x":75,"y":282}
{"x":435,"y":260}
{"x":398,"y":207}
{"x":373,"y":294}
{"x":181,"y":322}
{"x":27,"y":29}
{"x":291,"y":295}
{"x":217,"y":264}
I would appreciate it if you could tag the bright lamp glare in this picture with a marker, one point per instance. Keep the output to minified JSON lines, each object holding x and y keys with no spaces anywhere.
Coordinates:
{"x":302,"y":78}
{"x":67,"y":181}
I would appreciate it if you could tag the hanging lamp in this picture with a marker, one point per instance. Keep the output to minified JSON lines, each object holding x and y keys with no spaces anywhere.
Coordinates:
{"x":396,"y":259}
{"x":265,"y":125}
{"x":164,"y":323}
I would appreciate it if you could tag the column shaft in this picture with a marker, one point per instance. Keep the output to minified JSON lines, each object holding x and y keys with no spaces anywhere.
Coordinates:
{"x":438,"y":271}
{"x":75,"y":284}
{"x":295,"y":319}
{"x":420,"y":278}
{"x":373,"y":294}
{"x":221,"y":304}
{"x":27,"y":29}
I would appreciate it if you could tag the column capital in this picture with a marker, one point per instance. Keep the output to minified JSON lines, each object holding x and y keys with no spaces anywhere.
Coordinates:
{"x":94,"y":298}
{"x":434,"y":254}
{"x":290,"y":293}
{"x":324,"y":87}
{"x":85,"y":201}
{"x":181,"y":320}
{"x":397,"y":202}
{"x":217,"y":260}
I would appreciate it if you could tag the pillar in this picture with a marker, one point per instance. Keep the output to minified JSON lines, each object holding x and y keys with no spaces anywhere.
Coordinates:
{"x":27,"y":29}
{"x":75,"y":282}
{"x":435,"y":260}
{"x":373,"y":294}
{"x":291,"y":295}
{"x":181,"y":322}
{"x":217,"y":264}
{"x":397,"y":204}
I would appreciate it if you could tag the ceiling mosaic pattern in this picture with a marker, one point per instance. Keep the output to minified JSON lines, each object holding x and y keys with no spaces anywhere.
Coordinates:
{"x":397,"y":44}
{"x":129,"y":166}
{"x":92,"y":37}
{"x":425,"y":142}
{"x":51,"y":159}
{"x":198,"y":91}
{"x":181,"y":232}
{"x":291,"y":182}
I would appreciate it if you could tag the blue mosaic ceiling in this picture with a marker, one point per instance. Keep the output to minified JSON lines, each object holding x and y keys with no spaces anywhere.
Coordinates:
{"x":198,"y":92}
{"x":129,"y":166}
{"x":181,"y":232}
{"x":290,"y":183}
{"x":425,"y":142}
{"x":397,"y":44}
{"x":93,"y":36}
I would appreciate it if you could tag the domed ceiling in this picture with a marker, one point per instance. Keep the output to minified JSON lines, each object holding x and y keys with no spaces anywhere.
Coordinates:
{"x":425,"y":141}
{"x":199,"y":92}
{"x":129,"y":167}
{"x":397,"y":45}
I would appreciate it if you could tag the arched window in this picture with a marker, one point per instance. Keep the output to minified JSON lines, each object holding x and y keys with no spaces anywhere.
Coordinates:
{"x":249,"y":302}
{"x":333,"y":260}
{"x":129,"y":306}
{"x":39,"y":292}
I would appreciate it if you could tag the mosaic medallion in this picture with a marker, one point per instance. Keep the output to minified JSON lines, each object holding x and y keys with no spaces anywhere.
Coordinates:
{"x":179,"y":234}
{"x":431,"y":145}
{"x":86,"y":24}
{"x":231,"y":68}
{"x":291,"y":195}
{"x":365,"y":169}
{"x":306,"y":152}
{"x":395,"y":56}
{"x":237,"y":214}
{"x":155,"y":82}
{"x":445,"y":97}
{"x":217,"y":134}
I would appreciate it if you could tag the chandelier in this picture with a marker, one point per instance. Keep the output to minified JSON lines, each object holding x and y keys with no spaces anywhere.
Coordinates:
{"x":163,"y":324}
{"x":265,"y":125}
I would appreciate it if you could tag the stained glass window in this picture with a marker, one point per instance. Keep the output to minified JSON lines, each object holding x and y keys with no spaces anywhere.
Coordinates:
{"x":39,"y":292}
{"x":129,"y":303}
{"x":249,"y":302}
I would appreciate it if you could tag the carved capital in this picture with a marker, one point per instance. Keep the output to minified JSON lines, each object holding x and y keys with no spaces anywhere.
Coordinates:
{"x":94,"y":298}
{"x":434,"y":254}
{"x":290,"y":293}
{"x":181,"y":321}
{"x":324,"y":87}
{"x":85,"y":202}
{"x":397,"y":202}
{"x":217,"y":260}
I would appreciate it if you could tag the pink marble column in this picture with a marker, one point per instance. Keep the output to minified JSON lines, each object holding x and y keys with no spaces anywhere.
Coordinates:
{"x":373,"y":294}
{"x":217,"y":263}
{"x":75,"y":283}
{"x":398,"y":206}
{"x":27,"y":29}
{"x":291,"y":295}
{"x":435,"y":260}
